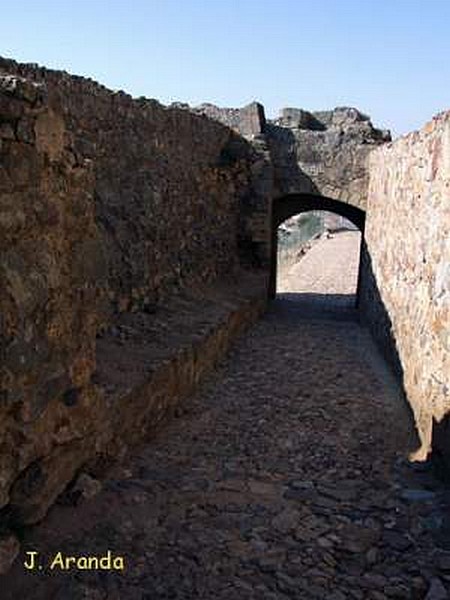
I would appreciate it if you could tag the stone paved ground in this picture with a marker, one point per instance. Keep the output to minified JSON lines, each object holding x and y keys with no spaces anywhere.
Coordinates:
{"x":330,"y":266}
{"x":286,"y":476}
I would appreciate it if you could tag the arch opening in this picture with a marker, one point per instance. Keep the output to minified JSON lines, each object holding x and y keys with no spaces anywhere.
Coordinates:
{"x":316,"y":244}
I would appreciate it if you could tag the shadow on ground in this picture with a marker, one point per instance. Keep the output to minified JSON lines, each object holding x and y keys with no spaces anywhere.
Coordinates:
{"x":317,"y":306}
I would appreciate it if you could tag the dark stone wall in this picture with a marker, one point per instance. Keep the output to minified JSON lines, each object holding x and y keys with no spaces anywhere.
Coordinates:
{"x":323,"y":152}
{"x":249,"y":121}
{"x":109,"y":207}
{"x":168,"y":185}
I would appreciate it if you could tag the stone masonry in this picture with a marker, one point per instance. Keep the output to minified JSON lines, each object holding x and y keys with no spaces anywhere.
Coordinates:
{"x":406,"y":275}
{"x":109,"y":207}
{"x":322,"y":152}
{"x":135,"y":244}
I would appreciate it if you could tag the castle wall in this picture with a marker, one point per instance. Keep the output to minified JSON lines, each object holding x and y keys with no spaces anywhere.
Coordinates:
{"x":134,"y":245}
{"x":405,"y":293}
{"x":324,"y":153}
{"x":109,"y":207}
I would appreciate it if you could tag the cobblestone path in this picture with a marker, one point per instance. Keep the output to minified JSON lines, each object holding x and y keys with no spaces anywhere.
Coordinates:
{"x":285,"y":476}
{"x":330,"y":266}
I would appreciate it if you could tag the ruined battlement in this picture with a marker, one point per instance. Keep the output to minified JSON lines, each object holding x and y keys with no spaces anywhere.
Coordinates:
{"x":322,"y":152}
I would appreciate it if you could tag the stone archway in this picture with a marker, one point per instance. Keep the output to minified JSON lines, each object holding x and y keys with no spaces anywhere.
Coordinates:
{"x":289,"y":205}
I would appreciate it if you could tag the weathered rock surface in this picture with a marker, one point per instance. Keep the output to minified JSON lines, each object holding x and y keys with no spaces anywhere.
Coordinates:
{"x":109,"y":206}
{"x":437,"y":591}
{"x":406,"y":283}
{"x":9,"y":550}
{"x":323,"y":152}
{"x":249,"y":121}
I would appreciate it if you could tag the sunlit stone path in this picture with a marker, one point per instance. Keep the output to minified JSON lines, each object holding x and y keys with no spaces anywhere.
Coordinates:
{"x":330,"y":267}
{"x":285,"y":476}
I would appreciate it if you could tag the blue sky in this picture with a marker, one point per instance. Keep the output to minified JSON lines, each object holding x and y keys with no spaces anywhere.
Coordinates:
{"x":390,"y":58}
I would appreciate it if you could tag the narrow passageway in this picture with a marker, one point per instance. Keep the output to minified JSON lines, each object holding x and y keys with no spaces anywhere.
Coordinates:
{"x":285,"y":476}
{"x":329,"y":267}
